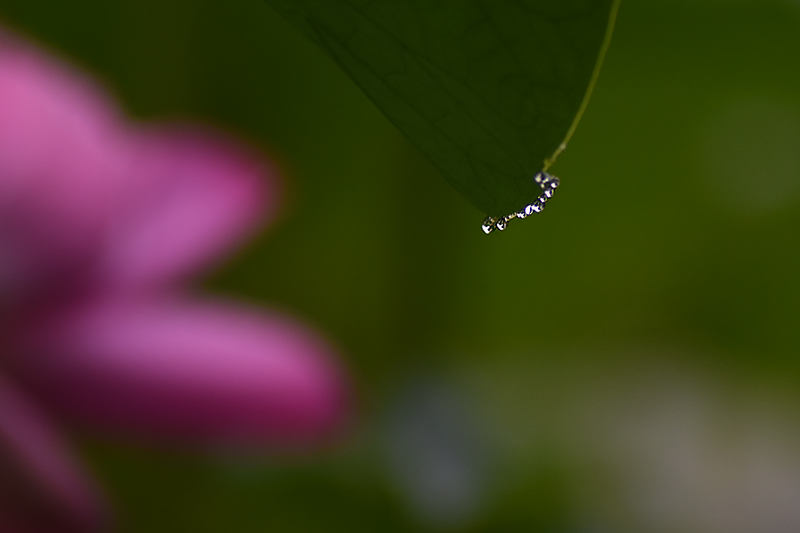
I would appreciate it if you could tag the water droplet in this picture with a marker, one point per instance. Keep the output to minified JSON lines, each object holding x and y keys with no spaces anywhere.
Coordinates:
{"x":547,"y":182}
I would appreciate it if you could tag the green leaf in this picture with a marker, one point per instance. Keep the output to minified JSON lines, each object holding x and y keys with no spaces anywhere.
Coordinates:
{"x":489,"y":90}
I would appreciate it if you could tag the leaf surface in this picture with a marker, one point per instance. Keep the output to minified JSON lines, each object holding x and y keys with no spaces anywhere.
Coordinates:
{"x":489,"y":90}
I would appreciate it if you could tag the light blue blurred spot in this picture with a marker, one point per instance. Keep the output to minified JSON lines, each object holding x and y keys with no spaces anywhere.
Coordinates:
{"x":436,"y":453}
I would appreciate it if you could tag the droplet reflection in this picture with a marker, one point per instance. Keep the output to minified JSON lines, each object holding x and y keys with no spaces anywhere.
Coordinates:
{"x":548,"y":184}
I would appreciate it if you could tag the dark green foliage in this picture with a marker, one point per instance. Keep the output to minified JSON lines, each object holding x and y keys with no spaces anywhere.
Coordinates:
{"x":487,"y":89}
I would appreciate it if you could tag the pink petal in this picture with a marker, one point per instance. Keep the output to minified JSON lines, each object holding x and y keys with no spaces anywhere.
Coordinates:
{"x":86,"y":199}
{"x":41,"y":487}
{"x":61,"y":169}
{"x":180,"y":371}
{"x":199,"y":196}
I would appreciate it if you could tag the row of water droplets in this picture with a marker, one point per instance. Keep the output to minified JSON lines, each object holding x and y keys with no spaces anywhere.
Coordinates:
{"x":547,"y":182}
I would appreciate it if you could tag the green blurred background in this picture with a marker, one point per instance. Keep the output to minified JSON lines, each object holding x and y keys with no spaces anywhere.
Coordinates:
{"x":626,"y":361}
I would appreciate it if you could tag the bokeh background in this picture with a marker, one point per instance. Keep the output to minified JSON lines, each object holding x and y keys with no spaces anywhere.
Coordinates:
{"x":629,"y":360}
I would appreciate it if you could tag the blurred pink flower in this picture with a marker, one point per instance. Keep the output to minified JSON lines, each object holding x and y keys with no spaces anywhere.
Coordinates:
{"x":100,"y":224}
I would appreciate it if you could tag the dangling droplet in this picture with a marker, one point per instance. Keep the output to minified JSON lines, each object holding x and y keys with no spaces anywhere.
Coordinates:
{"x":548,"y":184}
